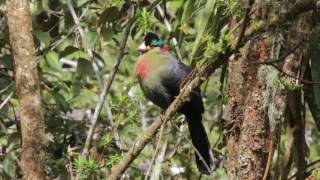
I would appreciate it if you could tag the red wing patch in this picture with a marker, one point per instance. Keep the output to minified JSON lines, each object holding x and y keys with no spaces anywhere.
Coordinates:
{"x":164,"y":49}
{"x":142,"y":69}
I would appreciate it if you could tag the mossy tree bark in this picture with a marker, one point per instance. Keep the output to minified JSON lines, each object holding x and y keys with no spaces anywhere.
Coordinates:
{"x":258,"y":99}
{"x":28,"y":90}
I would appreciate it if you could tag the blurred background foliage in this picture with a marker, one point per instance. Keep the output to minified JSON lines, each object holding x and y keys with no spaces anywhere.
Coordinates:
{"x":70,"y":88}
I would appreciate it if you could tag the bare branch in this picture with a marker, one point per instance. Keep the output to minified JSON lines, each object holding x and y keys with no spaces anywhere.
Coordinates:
{"x":155,"y":153}
{"x":6,"y":100}
{"x":81,"y":31}
{"x":169,"y":28}
{"x":142,"y":141}
{"x":106,"y":88}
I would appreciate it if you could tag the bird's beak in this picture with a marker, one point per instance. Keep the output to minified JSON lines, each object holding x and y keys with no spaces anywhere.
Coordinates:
{"x":143,"y":48}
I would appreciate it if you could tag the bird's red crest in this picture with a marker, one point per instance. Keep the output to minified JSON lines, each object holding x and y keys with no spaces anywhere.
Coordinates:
{"x":142,"y":69}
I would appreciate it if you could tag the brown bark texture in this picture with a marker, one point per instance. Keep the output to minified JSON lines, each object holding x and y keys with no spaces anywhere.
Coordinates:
{"x":28,"y":90}
{"x":248,"y":127}
{"x":258,"y":101}
{"x":295,"y":65}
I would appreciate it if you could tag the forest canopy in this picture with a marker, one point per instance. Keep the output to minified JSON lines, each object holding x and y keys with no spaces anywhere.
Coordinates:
{"x":73,"y":103}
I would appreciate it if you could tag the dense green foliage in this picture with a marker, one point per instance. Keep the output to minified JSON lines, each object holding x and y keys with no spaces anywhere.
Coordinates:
{"x":70,"y":87}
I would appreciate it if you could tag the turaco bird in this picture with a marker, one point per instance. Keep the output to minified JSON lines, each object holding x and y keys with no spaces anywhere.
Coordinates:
{"x":160,"y":76}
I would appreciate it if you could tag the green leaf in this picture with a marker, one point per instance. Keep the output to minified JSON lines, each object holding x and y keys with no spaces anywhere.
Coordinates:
{"x":44,"y":38}
{"x":106,"y":33}
{"x":81,"y":2}
{"x":53,"y":61}
{"x":210,"y":7}
{"x":13,"y":141}
{"x":189,"y":8}
{"x":110,"y":14}
{"x":86,"y":98}
{"x":89,"y":40}
{"x":10,"y":166}
{"x":61,"y":101}
{"x":318,"y":173}
{"x":66,"y":43}
{"x":114,"y":3}
{"x":84,"y":67}
{"x":68,"y":51}
{"x":7,"y":61}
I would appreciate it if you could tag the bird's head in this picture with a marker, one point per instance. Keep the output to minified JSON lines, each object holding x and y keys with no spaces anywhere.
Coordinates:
{"x":151,"y":40}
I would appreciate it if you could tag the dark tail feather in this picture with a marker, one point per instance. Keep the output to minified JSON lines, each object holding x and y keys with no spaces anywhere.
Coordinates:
{"x":200,"y":142}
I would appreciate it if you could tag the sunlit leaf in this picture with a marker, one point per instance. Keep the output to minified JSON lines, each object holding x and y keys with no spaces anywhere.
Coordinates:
{"x":53,"y":60}
{"x":89,"y":40}
{"x":44,"y":38}
{"x":81,"y":2}
{"x":9,"y":166}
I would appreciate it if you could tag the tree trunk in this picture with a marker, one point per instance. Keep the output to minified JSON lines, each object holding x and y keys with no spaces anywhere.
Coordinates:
{"x":257,"y":97}
{"x":28,"y":90}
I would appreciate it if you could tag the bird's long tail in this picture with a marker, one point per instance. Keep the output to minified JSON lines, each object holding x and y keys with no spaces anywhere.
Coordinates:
{"x":200,"y":142}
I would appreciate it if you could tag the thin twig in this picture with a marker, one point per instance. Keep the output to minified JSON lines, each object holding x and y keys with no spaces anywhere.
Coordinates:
{"x":106,"y":89}
{"x":192,"y":82}
{"x":6,"y":100}
{"x":169,"y":28}
{"x":193,"y":147}
{"x":55,"y":44}
{"x":150,"y":132}
{"x":270,"y":155}
{"x":283,"y":57}
{"x":244,"y":26}
{"x":173,"y":152}
{"x":143,"y":117}
{"x":309,"y":165}
{"x":90,"y":53}
{"x":291,"y":76}
{"x":69,"y":167}
{"x":157,"y":167}
{"x":94,"y":64}
{"x":14,"y":157}
{"x":6,"y":88}
{"x":155,"y":153}
{"x":16,"y":121}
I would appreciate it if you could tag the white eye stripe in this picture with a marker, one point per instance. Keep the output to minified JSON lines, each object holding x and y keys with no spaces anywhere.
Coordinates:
{"x":142,"y":46}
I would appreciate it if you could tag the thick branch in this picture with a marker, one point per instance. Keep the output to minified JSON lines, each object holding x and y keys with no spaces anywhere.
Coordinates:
{"x":152,"y":130}
{"x":300,"y":6}
{"x":28,"y":89}
{"x":193,"y":81}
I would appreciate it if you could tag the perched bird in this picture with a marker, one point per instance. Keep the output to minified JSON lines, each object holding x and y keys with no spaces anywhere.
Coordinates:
{"x":160,"y":76}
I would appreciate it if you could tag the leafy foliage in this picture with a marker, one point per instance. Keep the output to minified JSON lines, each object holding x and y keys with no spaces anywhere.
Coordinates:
{"x":70,"y":87}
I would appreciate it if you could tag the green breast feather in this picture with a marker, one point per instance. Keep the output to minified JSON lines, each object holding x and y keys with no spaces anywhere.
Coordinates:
{"x":153,"y":65}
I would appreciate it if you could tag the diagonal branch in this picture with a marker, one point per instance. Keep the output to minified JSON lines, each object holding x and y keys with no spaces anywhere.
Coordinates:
{"x":300,"y":7}
{"x":151,"y":131}
{"x":106,"y":88}
{"x":4,"y":102}
{"x":169,"y":28}
{"x":81,"y":31}
{"x":191,"y":83}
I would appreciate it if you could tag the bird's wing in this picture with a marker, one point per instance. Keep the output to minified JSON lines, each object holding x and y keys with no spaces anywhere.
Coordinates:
{"x":172,"y":81}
